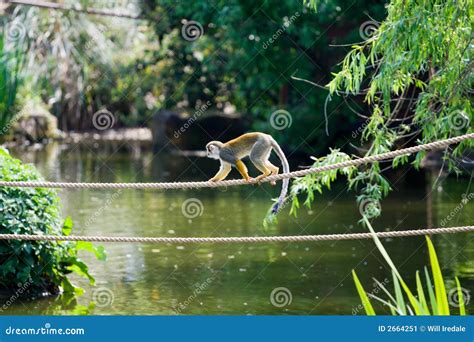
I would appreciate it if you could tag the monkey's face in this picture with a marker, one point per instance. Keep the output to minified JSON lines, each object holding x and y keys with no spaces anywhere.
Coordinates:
{"x":212,"y":151}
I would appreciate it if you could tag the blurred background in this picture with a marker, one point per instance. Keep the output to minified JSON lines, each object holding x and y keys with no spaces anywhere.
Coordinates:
{"x":238,"y":57}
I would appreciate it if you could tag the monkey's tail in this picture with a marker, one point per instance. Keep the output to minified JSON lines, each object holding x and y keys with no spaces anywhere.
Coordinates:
{"x":286,"y":168}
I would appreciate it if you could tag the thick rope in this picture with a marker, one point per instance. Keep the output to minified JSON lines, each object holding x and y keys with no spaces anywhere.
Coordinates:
{"x":193,"y":185}
{"x":251,"y":239}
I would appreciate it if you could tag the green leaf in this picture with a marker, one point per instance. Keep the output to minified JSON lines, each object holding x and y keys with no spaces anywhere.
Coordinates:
{"x":440,"y":289}
{"x":399,"y":295}
{"x":369,"y":310}
{"x":69,"y":287}
{"x":429,"y":285}
{"x":67,"y":226}
{"x":99,"y":251}
{"x":413,"y":301}
{"x":421,"y":294}
{"x":80,"y":268}
{"x":462,"y":308}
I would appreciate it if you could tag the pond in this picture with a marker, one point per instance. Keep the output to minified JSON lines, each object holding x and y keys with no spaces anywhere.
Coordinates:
{"x":311,"y":278}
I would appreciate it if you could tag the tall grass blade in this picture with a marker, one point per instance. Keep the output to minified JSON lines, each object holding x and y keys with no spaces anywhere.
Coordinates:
{"x":384,"y":289}
{"x":398,"y":295}
{"x":369,"y":310}
{"x":413,"y":301}
{"x":440,"y":289}
{"x":429,"y":285}
{"x":393,"y":309}
{"x":421,"y":294}
{"x":462,"y":307}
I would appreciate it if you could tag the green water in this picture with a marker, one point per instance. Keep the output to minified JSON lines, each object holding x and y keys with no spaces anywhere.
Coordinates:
{"x":239,"y":278}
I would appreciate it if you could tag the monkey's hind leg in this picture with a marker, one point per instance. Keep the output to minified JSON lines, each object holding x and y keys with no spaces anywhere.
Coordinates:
{"x":243,"y":170}
{"x":265,"y":171}
{"x":259,"y":157}
{"x":273,"y":169}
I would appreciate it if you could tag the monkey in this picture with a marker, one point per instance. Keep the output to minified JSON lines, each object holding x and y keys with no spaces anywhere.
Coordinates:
{"x":258,"y":147}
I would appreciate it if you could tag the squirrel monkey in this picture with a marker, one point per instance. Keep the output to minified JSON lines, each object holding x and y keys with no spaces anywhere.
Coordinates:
{"x":256,"y":145}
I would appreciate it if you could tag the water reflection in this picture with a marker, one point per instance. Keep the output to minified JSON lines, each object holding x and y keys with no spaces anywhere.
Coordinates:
{"x":158,"y":279}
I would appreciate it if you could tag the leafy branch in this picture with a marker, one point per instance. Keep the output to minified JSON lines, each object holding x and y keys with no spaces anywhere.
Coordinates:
{"x":415,"y":74}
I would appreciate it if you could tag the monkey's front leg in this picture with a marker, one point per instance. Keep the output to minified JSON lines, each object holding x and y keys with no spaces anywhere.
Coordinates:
{"x":243,"y":170}
{"x":222,"y":173}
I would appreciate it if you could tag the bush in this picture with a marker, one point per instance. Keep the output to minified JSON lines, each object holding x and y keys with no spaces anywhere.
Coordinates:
{"x":38,"y":267}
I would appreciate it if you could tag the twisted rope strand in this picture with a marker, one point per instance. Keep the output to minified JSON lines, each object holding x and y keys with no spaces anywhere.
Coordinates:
{"x":250,"y":239}
{"x":194,"y":185}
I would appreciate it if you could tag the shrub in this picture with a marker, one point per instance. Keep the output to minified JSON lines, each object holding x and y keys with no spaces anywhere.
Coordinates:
{"x":42,"y":265}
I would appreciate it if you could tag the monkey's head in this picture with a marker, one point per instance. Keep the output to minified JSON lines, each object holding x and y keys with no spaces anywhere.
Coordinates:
{"x":213,"y":149}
